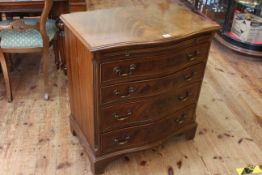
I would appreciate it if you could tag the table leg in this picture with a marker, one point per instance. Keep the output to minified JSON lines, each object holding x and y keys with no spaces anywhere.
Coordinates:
{"x":61,"y":46}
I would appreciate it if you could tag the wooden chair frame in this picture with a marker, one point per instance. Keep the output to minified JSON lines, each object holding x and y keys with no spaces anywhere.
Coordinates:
{"x":20,"y":25}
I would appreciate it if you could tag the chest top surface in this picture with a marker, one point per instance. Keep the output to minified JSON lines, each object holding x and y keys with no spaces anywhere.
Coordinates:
{"x":141,"y":24}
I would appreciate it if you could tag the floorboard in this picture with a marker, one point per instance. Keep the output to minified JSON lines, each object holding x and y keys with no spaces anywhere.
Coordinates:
{"x":35,"y":138}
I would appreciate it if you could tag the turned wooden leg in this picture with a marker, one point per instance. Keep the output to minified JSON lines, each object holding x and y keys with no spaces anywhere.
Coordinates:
{"x":190,"y":134}
{"x":61,"y":45}
{"x":6,"y":76}
{"x":62,"y":52}
{"x":56,"y":52}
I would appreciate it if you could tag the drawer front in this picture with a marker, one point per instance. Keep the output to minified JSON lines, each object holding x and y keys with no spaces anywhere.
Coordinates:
{"x":127,"y":52}
{"x":117,"y":93}
{"x":140,"y":135}
{"x":152,"y":65}
{"x":145,"y":111}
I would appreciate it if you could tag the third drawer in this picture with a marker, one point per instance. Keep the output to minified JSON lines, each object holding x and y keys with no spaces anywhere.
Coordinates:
{"x":144,"y":111}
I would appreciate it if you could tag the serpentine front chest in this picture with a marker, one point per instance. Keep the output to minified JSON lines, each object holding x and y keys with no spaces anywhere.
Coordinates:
{"x":135,"y":74}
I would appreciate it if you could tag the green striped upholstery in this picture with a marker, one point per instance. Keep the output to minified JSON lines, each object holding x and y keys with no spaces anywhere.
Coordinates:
{"x":29,"y":38}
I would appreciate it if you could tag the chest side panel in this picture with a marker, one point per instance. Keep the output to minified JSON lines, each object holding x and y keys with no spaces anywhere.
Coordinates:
{"x":81,"y":86}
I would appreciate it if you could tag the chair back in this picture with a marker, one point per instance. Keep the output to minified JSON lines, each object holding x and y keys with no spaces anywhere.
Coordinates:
{"x":42,"y":23}
{"x":19,"y":24}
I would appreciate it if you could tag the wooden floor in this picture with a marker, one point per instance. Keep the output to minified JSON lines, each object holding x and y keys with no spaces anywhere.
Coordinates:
{"x":35,"y":136}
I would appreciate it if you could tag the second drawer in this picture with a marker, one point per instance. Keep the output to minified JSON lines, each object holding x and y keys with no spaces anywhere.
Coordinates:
{"x":138,"y":89}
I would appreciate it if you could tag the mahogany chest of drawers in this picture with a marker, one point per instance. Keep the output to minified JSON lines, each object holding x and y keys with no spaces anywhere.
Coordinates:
{"x":135,"y":75}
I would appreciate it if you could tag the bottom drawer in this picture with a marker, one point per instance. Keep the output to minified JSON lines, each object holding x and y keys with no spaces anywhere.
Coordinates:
{"x":141,"y":135}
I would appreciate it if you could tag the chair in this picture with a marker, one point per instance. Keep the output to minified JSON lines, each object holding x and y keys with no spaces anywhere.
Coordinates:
{"x":27,"y":35}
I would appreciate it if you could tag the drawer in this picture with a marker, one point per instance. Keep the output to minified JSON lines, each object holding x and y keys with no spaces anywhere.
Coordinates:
{"x":152,"y":65}
{"x":127,"y":52}
{"x":141,"y":135}
{"x":129,"y":114}
{"x":138,"y":89}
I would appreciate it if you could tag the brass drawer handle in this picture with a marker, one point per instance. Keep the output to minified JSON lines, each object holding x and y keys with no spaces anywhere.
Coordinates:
{"x":117,"y":70}
{"x":192,"y":56}
{"x":123,"y":116}
{"x":181,"y":119}
{"x":190,"y":76}
{"x":184,"y":97}
{"x":117,"y":92}
{"x":122,"y":141}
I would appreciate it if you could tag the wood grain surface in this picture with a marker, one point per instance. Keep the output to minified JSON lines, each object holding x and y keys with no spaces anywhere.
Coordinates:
{"x":27,"y":6}
{"x":81,"y":89}
{"x":153,"y":22}
{"x":35,"y":137}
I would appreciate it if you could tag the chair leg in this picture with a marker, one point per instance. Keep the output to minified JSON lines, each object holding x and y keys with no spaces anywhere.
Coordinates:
{"x":56,"y":52}
{"x":62,"y":53}
{"x":9,"y":61}
{"x":45,"y":70}
{"x":6,"y":76}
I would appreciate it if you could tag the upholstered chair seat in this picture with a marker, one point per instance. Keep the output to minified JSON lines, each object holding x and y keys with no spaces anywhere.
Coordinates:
{"x":30,"y":38}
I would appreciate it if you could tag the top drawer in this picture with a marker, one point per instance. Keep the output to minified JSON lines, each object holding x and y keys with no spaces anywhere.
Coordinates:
{"x":140,"y":51}
{"x":152,"y":64}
